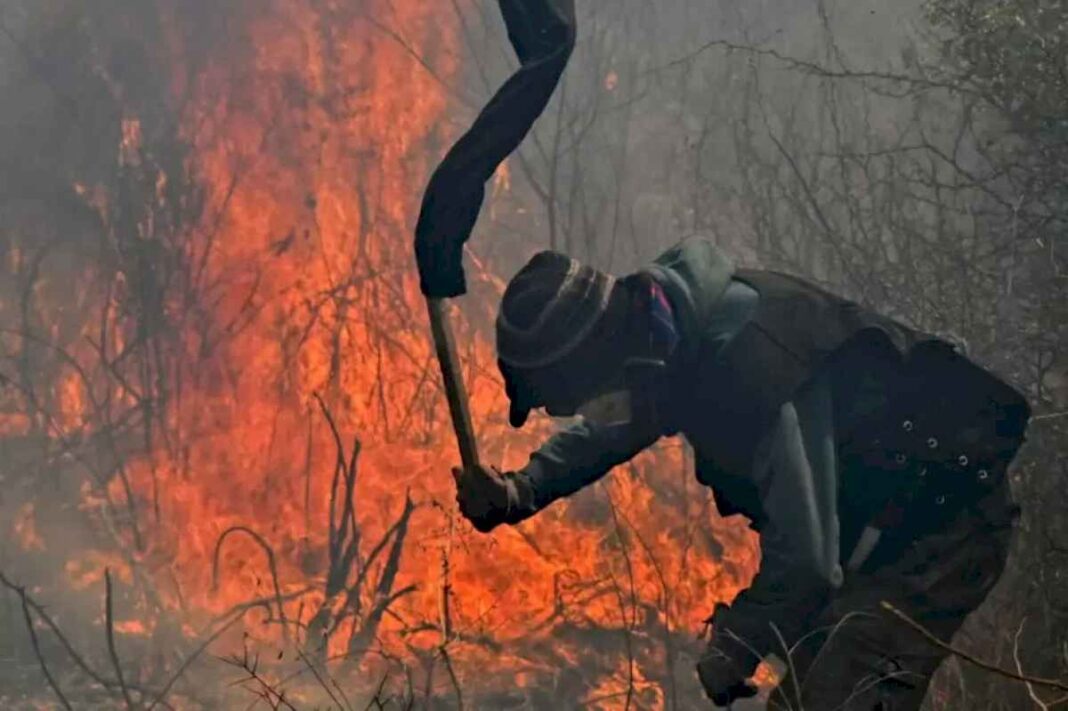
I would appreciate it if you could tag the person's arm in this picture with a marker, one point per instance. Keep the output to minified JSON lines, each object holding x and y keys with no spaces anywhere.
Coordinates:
{"x":577,"y":456}
{"x":798,"y":537}
{"x":783,"y":596}
{"x":574,"y":457}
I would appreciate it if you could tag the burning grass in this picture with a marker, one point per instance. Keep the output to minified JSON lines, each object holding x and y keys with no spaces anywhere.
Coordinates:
{"x":177,"y":396}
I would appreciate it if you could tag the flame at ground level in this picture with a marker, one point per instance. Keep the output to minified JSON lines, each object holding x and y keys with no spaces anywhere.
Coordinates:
{"x":312,"y":134}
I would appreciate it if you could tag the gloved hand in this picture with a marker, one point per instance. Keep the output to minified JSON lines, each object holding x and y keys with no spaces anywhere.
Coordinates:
{"x":722,"y":678}
{"x":488,"y":498}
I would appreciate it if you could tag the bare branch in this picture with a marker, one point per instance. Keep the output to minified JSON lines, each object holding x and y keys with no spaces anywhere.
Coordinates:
{"x":109,"y":629}
{"x":272,"y":565}
{"x":930,"y":637}
{"x":37,"y":649}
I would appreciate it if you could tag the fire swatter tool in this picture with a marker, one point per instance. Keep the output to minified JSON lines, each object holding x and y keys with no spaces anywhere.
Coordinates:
{"x":453,"y":379}
{"x":542,"y":32}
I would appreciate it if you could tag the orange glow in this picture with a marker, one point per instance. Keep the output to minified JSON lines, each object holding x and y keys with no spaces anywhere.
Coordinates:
{"x":89,"y":569}
{"x":25,"y":529}
{"x":131,"y":141}
{"x":766,"y":676}
{"x":70,"y":395}
{"x":312,"y":140}
{"x":133,"y":628}
{"x":14,"y":424}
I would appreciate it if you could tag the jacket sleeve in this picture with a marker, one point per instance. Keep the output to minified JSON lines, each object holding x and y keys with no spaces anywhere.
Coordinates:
{"x":796,"y":474}
{"x":575,"y":457}
{"x":781,"y":600}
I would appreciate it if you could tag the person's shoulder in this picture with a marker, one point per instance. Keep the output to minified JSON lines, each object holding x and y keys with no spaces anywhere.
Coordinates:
{"x":695,"y":272}
{"x":696,"y":249}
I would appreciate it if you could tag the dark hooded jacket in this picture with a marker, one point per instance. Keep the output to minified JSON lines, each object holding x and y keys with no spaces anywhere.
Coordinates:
{"x":729,"y":380}
{"x":748,"y":340}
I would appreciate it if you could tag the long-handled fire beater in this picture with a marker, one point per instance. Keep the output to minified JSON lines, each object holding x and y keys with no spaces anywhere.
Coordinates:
{"x":542,"y":32}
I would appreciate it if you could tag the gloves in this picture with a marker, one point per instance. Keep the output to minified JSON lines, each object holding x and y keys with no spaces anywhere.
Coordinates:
{"x":726,"y":665}
{"x":722,"y":678}
{"x":488,"y":498}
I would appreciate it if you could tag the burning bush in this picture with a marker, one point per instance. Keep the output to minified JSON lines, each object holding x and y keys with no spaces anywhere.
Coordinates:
{"x":207,"y":293}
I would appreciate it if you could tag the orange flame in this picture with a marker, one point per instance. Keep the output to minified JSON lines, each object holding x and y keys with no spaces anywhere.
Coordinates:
{"x":312,"y":141}
{"x":25,"y":529}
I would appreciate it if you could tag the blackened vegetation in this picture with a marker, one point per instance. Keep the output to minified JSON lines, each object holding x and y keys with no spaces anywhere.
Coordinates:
{"x":347,"y":601}
{"x":358,"y":593}
{"x":81,"y":678}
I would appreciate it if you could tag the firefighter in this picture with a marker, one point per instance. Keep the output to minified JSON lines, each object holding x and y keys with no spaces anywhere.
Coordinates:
{"x":871,"y":458}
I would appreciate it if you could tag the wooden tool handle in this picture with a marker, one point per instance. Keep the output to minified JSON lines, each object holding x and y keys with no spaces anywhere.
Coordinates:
{"x":453,"y":378}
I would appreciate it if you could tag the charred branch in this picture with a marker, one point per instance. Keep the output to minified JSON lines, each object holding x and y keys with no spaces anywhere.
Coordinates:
{"x":109,"y":630}
{"x":1057,"y":684}
{"x":272,"y":565}
{"x":37,"y":648}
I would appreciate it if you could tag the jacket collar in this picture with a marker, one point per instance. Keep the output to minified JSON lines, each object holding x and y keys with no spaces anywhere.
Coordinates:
{"x":694,"y":274}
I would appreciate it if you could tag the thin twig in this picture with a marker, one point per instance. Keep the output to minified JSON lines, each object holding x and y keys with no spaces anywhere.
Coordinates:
{"x":319,"y":679}
{"x":274,"y":696}
{"x":816,"y":69}
{"x":37,"y":650}
{"x":162,"y":694}
{"x":109,"y":629}
{"x":376,"y":700}
{"x":446,"y":616}
{"x":788,"y":651}
{"x":453,"y":678}
{"x":77,"y":658}
{"x":272,"y":566}
{"x":627,"y":620}
{"x":930,"y":637}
